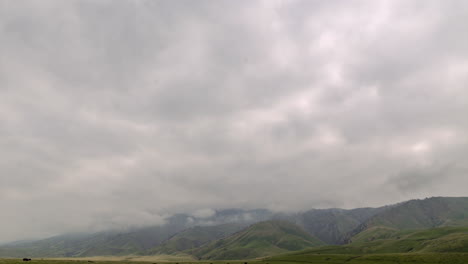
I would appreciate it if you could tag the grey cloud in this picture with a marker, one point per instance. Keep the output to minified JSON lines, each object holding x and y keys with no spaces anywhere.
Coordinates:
{"x":413,"y":179}
{"x":120,"y":113}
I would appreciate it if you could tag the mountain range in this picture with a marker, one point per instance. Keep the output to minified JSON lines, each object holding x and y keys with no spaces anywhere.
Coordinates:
{"x":438,"y":224}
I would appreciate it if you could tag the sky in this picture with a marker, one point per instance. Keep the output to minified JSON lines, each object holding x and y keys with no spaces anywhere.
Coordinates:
{"x":120,"y":113}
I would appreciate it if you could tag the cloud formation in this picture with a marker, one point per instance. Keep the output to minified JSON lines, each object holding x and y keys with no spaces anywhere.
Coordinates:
{"x":119,"y":113}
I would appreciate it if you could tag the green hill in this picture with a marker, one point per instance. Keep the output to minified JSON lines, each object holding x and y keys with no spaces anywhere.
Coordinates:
{"x":138,"y":241}
{"x":338,"y":226}
{"x":98,"y":244}
{"x":374,"y":233}
{"x":195,"y":237}
{"x":376,"y":229}
{"x":333,"y":225}
{"x":261,"y":239}
{"x":383,"y":240}
{"x":426,"y":213}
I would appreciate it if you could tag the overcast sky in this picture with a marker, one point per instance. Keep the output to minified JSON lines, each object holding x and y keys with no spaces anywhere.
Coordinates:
{"x":119,"y":113}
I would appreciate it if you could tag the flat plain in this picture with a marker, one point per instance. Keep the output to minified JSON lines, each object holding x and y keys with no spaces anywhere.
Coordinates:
{"x":426,"y":258}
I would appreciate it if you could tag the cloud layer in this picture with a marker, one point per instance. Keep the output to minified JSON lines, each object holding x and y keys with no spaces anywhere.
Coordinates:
{"x":119,"y":113}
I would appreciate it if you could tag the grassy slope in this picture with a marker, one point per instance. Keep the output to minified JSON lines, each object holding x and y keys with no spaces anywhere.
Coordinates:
{"x":332,"y":225}
{"x":377,"y":241}
{"x":99,"y":244}
{"x":416,"y":214}
{"x":337,"y":226}
{"x":427,"y":213}
{"x":121,"y":243}
{"x":195,"y":237}
{"x":261,"y":239}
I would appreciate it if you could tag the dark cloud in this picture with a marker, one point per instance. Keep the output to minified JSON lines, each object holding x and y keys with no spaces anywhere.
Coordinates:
{"x":120,"y":113}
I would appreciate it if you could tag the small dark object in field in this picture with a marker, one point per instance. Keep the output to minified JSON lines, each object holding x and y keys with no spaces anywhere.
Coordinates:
{"x":90,"y":261}
{"x":26,"y":259}
{"x":245,"y":263}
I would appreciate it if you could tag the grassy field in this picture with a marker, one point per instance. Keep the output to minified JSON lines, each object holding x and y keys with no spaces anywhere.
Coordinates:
{"x":182,"y":258}
{"x":429,"y":258}
{"x":442,"y":258}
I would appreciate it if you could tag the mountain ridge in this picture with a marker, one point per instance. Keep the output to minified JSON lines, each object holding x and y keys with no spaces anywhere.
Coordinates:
{"x":259,"y":240}
{"x":184,"y":232}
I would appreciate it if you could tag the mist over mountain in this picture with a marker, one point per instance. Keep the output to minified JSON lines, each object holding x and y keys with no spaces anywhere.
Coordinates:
{"x":135,"y":240}
{"x":259,"y":240}
{"x":240,"y":234}
{"x":420,"y":214}
{"x":195,"y":237}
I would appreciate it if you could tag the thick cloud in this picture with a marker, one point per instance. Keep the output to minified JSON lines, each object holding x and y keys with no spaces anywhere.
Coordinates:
{"x":119,"y":113}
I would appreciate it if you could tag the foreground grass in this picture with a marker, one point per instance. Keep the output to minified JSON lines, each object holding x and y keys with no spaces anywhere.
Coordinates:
{"x":429,"y":258}
{"x":182,"y":258}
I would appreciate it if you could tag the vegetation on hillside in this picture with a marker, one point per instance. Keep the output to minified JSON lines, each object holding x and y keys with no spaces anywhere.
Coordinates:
{"x":381,"y":240}
{"x":195,"y":237}
{"x":261,"y":239}
{"x":436,"y":224}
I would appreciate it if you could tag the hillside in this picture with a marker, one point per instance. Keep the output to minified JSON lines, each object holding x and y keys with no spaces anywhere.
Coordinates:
{"x":188,"y":234}
{"x":261,"y":239}
{"x":427,"y":213}
{"x":419,"y":214}
{"x":98,"y":244}
{"x":137,"y":241}
{"x":377,"y":241}
{"x":195,"y":237}
{"x":333,"y":225}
